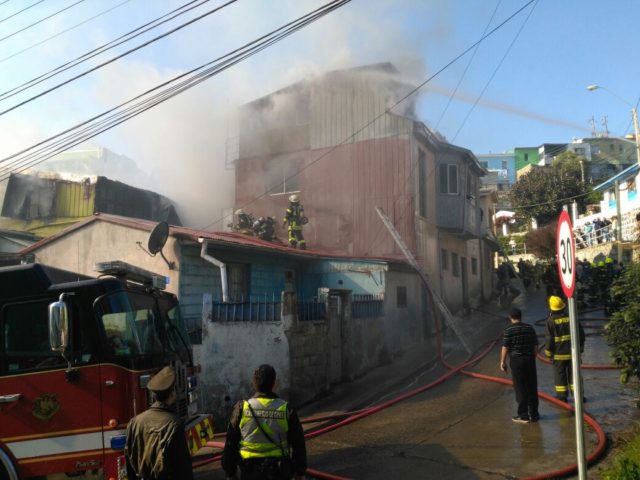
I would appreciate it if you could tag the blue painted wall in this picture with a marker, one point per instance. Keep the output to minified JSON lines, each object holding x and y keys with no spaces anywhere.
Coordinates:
{"x":495,"y":162}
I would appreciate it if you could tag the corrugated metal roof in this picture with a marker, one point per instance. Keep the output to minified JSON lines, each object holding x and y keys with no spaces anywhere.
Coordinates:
{"x":222,"y":238}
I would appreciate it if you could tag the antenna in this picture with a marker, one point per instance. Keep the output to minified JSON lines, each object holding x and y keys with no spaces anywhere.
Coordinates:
{"x":594,"y":130}
{"x":605,"y":124}
{"x":157,"y":240}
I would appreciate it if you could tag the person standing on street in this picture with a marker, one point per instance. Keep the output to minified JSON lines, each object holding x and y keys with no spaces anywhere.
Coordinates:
{"x":557,"y":335}
{"x":156,"y":447}
{"x":519,"y":343}
{"x":262,"y":431}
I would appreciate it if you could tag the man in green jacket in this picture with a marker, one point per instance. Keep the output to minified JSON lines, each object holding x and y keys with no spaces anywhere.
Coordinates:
{"x":156,"y":447}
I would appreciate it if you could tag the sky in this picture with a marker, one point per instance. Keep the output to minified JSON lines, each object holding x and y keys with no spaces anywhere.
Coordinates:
{"x":524,"y":85}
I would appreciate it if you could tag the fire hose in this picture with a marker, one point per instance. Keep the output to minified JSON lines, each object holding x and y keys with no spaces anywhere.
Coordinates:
{"x":350,"y":417}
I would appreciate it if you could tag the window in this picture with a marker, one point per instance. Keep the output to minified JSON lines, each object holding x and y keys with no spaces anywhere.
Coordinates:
{"x":444,"y":259}
{"x":612,"y":147}
{"x":580,"y":151}
{"x":504,"y":164}
{"x":474,"y":266}
{"x":422,"y":183}
{"x":401,"y":297}
{"x":455,"y":265}
{"x":526,"y":157}
{"x":26,"y":338}
{"x":449,"y":178}
{"x":237,"y":283}
{"x":282,"y":177}
{"x":500,"y":187}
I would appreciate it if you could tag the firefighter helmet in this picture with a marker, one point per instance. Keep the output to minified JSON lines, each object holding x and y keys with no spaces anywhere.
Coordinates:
{"x":239,"y":211}
{"x":601,"y":263}
{"x":294,"y":199}
{"x":555,"y":303}
{"x":608,"y":260}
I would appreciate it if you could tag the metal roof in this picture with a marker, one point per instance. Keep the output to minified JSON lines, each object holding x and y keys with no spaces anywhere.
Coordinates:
{"x":220,"y":238}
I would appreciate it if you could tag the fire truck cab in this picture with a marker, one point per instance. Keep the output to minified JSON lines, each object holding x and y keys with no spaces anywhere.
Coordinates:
{"x":76,"y":355}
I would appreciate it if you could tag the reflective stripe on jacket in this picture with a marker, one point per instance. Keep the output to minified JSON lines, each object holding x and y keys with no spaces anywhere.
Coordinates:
{"x":558,"y":337}
{"x":272,"y":414}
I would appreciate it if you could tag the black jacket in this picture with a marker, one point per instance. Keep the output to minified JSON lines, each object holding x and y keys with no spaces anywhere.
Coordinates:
{"x":295,"y":437}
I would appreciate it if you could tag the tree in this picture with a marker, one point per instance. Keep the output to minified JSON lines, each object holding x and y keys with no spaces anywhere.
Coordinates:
{"x":542,"y":242}
{"x":623,"y":329}
{"x":542,"y":192}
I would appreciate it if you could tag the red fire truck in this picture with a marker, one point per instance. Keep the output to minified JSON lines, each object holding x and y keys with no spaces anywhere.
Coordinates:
{"x":77,"y":353}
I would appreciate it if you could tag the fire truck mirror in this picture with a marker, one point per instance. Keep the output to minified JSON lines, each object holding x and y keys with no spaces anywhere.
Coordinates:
{"x":58,"y":326}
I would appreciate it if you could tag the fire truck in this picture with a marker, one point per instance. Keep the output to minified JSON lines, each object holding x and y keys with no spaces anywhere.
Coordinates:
{"x":77,"y":354}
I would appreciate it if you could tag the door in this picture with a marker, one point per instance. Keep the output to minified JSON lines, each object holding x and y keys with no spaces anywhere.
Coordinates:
{"x":465,"y":282}
{"x":335,"y":314}
{"x":50,"y":419}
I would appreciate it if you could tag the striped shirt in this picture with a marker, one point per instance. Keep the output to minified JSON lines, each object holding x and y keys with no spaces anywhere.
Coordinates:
{"x":520,"y":339}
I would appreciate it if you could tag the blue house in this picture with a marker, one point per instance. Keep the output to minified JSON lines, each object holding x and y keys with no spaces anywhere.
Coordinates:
{"x":502,"y":171}
{"x":319,"y":319}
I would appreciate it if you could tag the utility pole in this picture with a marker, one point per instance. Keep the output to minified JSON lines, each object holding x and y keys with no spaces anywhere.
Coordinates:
{"x":594,"y":130}
{"x":636,"y":131}
{"x":605,"y":124}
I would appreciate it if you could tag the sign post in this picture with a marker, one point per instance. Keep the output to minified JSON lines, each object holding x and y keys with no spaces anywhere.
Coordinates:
{"x":566,"y":251}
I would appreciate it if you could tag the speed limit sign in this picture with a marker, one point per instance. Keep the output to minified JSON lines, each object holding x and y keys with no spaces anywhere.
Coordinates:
{"x":566,"y":249}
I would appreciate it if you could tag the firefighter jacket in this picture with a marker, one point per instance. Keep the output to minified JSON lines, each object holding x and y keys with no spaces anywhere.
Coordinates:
{"x":293,"y":216}
{"x":246,"y":441}
{"x":557,"y":335}
{"x":156,"y":447}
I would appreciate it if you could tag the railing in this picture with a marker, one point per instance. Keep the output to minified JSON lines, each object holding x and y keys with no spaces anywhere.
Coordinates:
{"x":310,"y":310}
{"x":258,"y":309}
{"x":367,"y":306}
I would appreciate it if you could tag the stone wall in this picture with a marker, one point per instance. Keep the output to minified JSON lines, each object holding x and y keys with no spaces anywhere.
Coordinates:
{"x":309,"y":360}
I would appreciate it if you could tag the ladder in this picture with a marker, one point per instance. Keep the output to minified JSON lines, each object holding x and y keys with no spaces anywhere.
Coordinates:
{"x":446,"y":313}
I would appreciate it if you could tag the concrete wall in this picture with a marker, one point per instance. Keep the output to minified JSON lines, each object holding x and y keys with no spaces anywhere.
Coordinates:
{"x":79,"y":250}
{"x":229,"y":354}
{"x":308,"y":360}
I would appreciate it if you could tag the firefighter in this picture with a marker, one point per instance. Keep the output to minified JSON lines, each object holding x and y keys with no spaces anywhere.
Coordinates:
{"x":294,"y":217}
{"x":264,"y":229}
{"x":558,"y":346}
{"x":264,"y":435}
{"x":245,"y":221}
{"x":156,"y":447}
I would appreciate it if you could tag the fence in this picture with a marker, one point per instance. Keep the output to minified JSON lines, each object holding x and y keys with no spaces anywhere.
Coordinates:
{"x":269,"y":310}
{"x":260,"y":309}
{"x":365,"y":306}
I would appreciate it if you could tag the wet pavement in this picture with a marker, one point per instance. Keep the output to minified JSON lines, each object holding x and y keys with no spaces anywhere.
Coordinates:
{"x":462,"y":428}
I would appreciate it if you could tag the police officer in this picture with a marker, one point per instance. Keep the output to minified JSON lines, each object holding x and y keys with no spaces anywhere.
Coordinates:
{"x":294,"y":217}
{"x":558,"y":346}
{"x":261,"y":432}
{"x":156,"y":447}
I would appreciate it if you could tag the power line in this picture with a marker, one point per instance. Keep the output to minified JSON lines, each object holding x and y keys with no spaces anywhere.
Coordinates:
{"x":41,"y":20}
{"x":103,"y":48}
{"x":20,"y":11}
{"x":495,"y":71}
{"x":63,"y":31}
{"x":466,"y":68}
{"x":75,"y":135}
{"x":389,"y":109}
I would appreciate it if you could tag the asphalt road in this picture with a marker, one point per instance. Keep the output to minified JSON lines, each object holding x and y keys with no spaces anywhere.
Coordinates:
{"x":462,"y":429}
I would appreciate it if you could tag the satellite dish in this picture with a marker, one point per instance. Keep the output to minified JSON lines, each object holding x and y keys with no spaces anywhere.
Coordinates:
{"x":158,"y":237}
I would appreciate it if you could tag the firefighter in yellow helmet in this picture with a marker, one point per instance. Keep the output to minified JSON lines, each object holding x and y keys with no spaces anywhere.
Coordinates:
{"x":295,"y":219}
{"x":557,"y":335}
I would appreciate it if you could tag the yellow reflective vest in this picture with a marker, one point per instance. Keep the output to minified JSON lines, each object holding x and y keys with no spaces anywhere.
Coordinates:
{"x":273,"y":417}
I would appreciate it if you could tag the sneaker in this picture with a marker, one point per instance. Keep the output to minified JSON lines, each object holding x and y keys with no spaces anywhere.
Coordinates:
{"x":519,"y":419}
{"x":534,"y":418}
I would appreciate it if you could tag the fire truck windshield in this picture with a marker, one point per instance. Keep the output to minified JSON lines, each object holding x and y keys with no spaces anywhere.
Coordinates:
{"x":132,"y":324}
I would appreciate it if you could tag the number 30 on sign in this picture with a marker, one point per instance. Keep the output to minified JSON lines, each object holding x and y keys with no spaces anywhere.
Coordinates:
{"x":566,"y":250}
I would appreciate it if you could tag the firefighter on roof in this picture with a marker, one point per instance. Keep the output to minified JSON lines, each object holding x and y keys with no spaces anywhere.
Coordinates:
{"x":245,"y":222}
{"x":294,"y":217}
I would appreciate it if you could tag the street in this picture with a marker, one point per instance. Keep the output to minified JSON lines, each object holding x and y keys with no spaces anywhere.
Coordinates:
{"x":462,"y":428}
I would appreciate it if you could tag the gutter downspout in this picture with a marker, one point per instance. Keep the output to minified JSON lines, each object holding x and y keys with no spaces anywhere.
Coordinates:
{"x":223,"y":267}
